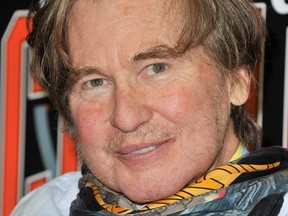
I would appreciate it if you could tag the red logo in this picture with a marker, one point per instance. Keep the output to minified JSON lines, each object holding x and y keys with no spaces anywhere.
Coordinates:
{"x":32,"y":147}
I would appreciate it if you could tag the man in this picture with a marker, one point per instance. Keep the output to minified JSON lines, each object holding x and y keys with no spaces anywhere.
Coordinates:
{"x":153,"y":94}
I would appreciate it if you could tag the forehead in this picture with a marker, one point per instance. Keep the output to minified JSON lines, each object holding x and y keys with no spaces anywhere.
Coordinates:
{"x":128,"y":22}
{"x":126,"y":8}
{"x":105,"y":13}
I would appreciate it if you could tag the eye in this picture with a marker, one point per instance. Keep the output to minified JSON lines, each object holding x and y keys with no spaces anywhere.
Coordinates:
{"x":95,"y":88}
{"x":94,"y":83}
{"x":158,"y":68}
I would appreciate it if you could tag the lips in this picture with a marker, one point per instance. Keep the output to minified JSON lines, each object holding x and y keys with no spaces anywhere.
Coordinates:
{"x":144,"y":150}
{"x":139,"y":150}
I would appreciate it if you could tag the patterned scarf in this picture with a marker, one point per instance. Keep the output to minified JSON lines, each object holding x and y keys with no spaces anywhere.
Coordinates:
{"x":216,"y":179}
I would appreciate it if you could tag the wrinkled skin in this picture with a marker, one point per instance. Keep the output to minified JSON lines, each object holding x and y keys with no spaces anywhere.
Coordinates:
{"x":148,"y":122}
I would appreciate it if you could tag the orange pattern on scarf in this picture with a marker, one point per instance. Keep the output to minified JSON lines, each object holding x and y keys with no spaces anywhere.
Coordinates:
{"x":215,"y":179}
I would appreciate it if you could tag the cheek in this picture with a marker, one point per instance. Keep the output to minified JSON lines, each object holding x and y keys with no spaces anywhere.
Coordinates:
{"x":92,"y":132}
{"x":182,"y":103}
{"x":89,"y":121}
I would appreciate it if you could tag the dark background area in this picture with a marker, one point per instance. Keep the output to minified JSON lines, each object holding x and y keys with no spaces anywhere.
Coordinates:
{"x":7,"y":8}
{"x":273,"y":91}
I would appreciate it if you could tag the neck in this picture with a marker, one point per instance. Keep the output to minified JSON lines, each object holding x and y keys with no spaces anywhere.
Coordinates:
{"x":229,"y":147}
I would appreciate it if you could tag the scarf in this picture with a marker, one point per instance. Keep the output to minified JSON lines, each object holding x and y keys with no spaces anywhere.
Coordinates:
{"x":96,"y":197}
{"x":216,"y":179}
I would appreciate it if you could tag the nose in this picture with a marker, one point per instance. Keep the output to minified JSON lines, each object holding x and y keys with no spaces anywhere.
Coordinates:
{"x":130,"y":110}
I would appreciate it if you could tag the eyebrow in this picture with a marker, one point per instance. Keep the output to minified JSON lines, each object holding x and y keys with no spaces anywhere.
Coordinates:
{"x":161,"y":52}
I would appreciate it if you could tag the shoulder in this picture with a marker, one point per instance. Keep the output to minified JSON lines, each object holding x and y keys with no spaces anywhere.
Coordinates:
{"x":53,"y":198}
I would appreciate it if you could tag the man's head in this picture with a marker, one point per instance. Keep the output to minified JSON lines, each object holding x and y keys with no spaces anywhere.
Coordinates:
{"x":153,"y":90}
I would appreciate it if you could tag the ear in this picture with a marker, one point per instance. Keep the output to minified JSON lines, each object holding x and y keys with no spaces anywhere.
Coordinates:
{"x":240,"y":87}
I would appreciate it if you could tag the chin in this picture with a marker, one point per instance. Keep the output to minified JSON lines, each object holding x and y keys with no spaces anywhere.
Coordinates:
{"x":148,"y":195}
{"x":144,"y":199}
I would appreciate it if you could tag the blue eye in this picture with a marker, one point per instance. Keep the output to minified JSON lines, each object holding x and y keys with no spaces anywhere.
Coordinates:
{"x":158,"y":68}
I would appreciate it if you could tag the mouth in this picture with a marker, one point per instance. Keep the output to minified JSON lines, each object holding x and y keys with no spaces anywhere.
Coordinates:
{"x":142,"y":151}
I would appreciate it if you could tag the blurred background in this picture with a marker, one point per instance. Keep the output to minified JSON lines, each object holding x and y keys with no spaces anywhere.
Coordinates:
{"x":33,"y":148}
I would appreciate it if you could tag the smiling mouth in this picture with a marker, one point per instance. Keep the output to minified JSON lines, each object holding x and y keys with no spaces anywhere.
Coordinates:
{"x":144,"y":150}
{"x":141,"y":154}
{"x":140,"y":149}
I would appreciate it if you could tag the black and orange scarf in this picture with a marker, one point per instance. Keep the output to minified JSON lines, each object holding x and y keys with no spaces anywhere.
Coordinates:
{"x":256,"y":164}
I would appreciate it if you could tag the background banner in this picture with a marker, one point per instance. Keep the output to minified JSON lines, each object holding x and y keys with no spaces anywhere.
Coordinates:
{"x":285,"y":111}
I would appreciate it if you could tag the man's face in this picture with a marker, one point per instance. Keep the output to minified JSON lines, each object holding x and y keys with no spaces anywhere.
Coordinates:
{"x":148,"y":121}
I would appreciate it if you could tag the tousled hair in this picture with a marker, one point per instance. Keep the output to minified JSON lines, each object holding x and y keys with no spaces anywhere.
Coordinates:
{"x":231,"y":32}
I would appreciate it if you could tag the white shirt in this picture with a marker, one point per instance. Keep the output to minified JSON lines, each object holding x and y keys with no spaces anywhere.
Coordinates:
{"x":51,"y":199}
